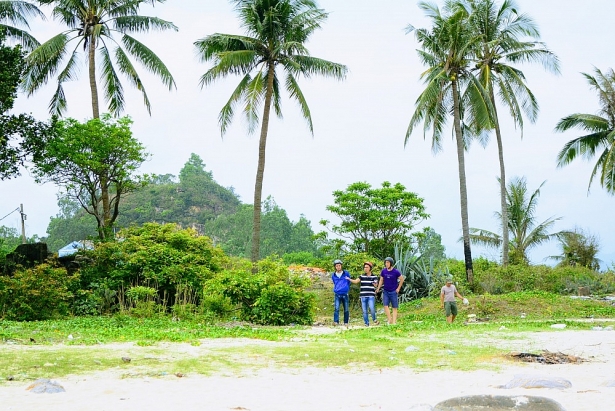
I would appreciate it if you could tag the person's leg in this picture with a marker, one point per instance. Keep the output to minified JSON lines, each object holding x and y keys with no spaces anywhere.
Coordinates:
{"x":385,"y":301}
{"x":336,"y":310}
{"x":453,"y":311}
{"x":346,"y":299}
{"x":448,"y":313}
{"x":395,"y":305}
{"x":371,"y":302}
{"x":364,"y":303}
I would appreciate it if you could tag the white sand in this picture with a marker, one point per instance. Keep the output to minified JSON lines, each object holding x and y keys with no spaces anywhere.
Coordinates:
{"x":339,"y":389}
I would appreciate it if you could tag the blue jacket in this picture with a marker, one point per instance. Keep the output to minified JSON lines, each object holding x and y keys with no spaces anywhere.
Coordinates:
{"x":340,"y":284}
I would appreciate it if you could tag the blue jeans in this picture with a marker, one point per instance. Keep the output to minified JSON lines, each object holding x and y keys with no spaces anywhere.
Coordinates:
{"x":341,"y":298}
{"x":368,"y":302}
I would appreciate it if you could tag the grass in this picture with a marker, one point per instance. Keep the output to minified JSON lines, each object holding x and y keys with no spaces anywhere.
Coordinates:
{"x":159,"y":346}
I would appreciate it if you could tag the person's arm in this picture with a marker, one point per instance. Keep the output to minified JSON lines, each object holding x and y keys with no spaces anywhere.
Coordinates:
{"x":441,"y":299}
{"x":458,"y":295}
{"x":401,"y":282}
{"x":355,"y":281}
{"x":379,"y":284}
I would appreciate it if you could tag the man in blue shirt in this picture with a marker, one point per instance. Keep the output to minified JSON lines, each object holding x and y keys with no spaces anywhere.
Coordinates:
{"x":391,"y":280}
{"x":341,"y":287}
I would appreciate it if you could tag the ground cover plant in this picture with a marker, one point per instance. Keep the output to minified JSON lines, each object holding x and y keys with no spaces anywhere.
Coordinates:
{"x":161,"y":346}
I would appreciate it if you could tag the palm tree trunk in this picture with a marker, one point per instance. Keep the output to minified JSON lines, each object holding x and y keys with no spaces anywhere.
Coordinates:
{"x":92,"y":72}
{"x":260,"y":170}
{"x":463,"y":192}
{"x":103,"y":233}
{"x":504,"y":206}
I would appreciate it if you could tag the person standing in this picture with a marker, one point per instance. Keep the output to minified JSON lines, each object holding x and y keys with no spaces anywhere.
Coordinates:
{"x":368,"y":292}
{"x":391,"y":281}
{"x":341,"y":286}
{"x":447,"y":300}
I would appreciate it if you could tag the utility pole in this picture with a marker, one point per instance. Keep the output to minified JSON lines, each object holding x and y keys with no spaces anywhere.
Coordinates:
{"x":23,"y":225}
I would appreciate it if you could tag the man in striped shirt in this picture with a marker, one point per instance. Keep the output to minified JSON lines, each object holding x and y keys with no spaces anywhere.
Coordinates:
{"x":368,"y":292}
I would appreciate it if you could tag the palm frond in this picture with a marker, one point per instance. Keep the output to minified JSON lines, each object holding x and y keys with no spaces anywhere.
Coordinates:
{"x":126,"y":67}
{"x":140,"y":24}
{"x":114,"y":92}
{"x":149,"y":60}
{"x":295,"y":92}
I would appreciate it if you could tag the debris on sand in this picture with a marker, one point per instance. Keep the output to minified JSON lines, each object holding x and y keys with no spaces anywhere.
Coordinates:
{"x":547,"y":357}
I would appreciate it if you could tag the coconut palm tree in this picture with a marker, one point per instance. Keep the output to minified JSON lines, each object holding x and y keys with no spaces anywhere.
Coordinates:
{"x":450,"y":88}
{"x":276,"y":33}
{"x":93,"y":25}
{"x":526,"y":232}
{"x":501,"y":28}
{"x":16,"y":13}
{"x":601,"y":129}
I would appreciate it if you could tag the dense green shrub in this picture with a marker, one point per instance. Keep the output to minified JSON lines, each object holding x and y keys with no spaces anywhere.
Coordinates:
{"x":559,"y":280}
{"x":272,"y":296}
{"x":280,"y":304}
{"x":38,"y":293}
{"x":163,"y":257}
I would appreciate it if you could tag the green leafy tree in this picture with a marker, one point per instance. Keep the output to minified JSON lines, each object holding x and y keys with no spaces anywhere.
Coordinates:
{"x":507,"y":38}
{"x":451,"y":88}
{"x":95,"y":162}
{"x":9,"y":240}
{"x":430,"y":246}
{"x":601,"y":128}
{"x":19,"y":134}
{"x":578,"y":249}
{"x":15,"y":14}
{"x":526,"y":232}
{"x":72,"y":223}
{"x":276,"y":33}
{"x":374,"y":220}
{"x":93,"y":26}
{"x":279,"y":234}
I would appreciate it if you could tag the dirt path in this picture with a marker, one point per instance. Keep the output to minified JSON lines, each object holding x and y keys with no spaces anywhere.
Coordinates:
{"x":339,"y":389}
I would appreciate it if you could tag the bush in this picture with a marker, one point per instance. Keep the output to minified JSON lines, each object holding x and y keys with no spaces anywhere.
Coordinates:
{"x":38,"y":293}
{"x":300,"y":257}
{"x":164,"y":258}
{"x":273,"y":295}
{"x":281,"y":304}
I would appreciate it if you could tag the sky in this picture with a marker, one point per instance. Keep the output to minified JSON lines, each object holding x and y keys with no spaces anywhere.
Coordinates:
{"x":359,"y":124}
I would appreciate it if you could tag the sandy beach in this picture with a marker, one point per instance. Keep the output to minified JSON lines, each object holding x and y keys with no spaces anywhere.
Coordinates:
{"x":306,"y":389}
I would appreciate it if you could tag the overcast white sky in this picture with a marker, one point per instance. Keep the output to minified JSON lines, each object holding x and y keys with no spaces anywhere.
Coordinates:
{"x":359,"y":124}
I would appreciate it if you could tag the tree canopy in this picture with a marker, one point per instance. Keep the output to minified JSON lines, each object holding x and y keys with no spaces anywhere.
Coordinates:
{"x":95,"y":163}
{"x":19,"y":134}
{"x":374,"y":220}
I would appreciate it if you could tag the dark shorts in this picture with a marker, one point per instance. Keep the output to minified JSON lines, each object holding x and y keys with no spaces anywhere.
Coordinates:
{"x":450,"y":308}
{"x":389,"y":297}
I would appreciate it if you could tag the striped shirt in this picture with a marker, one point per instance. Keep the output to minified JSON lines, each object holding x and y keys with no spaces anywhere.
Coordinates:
{"x":367,"y":285}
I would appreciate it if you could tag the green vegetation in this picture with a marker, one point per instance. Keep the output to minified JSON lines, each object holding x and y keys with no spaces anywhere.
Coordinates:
{"x":525,"y":230}
{"x":158,"y":346}
{"x":601,"y":128}
{"x":92,"y":28}
{"x":276,"y":33}
{"x":95,"y":163}
{"x":374,"y":220}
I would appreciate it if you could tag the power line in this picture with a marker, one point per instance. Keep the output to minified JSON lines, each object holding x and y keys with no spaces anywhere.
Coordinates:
{"x":17,"y":209}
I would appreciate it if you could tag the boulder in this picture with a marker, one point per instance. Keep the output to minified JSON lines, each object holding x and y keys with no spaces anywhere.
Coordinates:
{"x":44,"y":386}
{"x":498,"y":403}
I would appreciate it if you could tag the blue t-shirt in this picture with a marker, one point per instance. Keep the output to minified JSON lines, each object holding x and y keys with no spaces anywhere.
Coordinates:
{"x":390,"y":279}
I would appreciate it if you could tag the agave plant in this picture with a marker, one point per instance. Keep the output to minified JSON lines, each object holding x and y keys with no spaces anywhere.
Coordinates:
{"x":421,"y":277}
